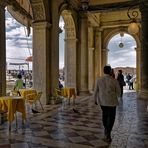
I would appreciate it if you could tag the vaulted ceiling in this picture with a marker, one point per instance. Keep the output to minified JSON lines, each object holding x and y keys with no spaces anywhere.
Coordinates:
{"x":95,"y":8}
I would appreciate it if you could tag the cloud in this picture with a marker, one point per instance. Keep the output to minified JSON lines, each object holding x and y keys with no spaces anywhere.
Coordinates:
{"x":18,"y":46}
{"x":122,"y":57}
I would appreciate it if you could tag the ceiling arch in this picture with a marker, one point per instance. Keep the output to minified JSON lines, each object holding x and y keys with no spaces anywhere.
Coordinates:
{"x":117,"y":31}
{"x":24,"y":10}
{"x":70,"y":31}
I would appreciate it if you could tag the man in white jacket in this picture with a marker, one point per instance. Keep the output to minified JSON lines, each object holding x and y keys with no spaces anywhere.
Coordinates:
{"x":106,"y":93}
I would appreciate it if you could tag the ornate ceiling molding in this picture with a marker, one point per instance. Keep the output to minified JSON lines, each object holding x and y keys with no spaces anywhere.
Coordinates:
{"x":38,"y":10}
{"x":113,"y":6}
{"x":17,"y":7}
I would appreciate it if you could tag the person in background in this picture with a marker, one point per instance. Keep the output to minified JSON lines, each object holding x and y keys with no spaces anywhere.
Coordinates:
{"x":112,"y":73}
{"x":19,"y":83}
{"x":106,"y":93}
{"x":128,"y":77}
{"x":120,"y":79}
{"x":60,"y":85}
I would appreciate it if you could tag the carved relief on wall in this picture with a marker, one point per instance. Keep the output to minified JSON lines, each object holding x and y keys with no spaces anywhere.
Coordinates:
{"x":38,"y":12}
{"x":70,"y":31}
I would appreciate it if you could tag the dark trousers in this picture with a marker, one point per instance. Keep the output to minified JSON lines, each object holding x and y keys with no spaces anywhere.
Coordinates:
{"x":108,"y":118}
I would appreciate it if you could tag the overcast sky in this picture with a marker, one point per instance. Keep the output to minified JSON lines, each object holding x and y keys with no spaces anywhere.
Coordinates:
{"x":122,"y":57}
{"x":19,"y":47}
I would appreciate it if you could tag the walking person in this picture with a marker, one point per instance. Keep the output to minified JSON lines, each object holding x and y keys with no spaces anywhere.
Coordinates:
{"x":18,"y":84}
{"x":106,"y":93}
{"x":121,"y":81}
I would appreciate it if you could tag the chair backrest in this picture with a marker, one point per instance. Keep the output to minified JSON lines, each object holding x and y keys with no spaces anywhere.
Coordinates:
{"x":39,"y":94}
{"x":58,"y":92}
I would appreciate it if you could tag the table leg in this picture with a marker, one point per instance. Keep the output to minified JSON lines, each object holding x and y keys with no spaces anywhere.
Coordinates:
{"x":9,"y":126}
{"x":16,"y":120}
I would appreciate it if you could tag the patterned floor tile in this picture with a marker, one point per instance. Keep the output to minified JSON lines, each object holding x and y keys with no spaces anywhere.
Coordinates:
{"x":60,"y":127}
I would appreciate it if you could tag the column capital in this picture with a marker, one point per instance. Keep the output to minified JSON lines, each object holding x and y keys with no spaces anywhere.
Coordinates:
{"x":71,"y":39}
{"x":83,"y":15}
{"x":41,"y":25}
{"x":97,"y":29}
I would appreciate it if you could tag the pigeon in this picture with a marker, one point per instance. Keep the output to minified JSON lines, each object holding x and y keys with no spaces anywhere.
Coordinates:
{"x":35,"y":111}
{"x":75,"y":111}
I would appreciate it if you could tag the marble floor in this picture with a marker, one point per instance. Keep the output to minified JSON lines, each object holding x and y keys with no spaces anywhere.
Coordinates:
{"x":59,"y":127}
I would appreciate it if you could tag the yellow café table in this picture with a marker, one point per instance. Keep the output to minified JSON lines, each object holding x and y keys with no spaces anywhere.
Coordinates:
{"x":13,"y":104}
{"x":69,"y":92}
{"x":25,"y":92}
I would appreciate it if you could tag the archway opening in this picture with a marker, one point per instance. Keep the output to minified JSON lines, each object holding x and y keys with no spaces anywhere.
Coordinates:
{"x":18,"y":49}
{"x":67,"y":48}
{"x":61,"y":49}
{"x":122,"y":55}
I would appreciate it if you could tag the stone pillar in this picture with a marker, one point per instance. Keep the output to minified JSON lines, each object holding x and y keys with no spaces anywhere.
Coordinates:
{"x":104,"y":58}
{"x":2,"y":52}
{"x":138,"y":67}
{"x":91,"y":70}
{"x":144,"y":51}
{"x":83,"y":76}
{"x":98,"y":48}
{"x":70,"y":62}
{"x":41,"y":59}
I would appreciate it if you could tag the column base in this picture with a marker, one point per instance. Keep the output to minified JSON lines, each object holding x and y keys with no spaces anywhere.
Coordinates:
{"x":143,"y":94}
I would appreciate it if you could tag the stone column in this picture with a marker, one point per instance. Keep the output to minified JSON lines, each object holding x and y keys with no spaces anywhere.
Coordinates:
{"x":41,"y":59}
{"x":83,"y":76}
{"x":98,"y":48}
{"x":144,"y":51}
{"x":91,"y":59}
{"x":2,"y":51}
{"x":70,"y":62}
{"x":138,"y":67}
{"x":91,"y":70}
{"x":104,"y":58}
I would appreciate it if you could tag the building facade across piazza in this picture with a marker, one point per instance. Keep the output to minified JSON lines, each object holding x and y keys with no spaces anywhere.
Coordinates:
{"x":88,"y":31}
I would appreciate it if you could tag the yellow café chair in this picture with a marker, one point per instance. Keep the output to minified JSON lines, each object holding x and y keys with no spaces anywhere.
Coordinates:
{"x":33,"y":98}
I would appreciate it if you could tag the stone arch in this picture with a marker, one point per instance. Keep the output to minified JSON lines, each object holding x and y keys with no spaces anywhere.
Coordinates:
{"x":116,"y":31}
{"x":32,"y":11}
{"x":112,"y":33}
{"x":70,"y":48}
{"x":70,"y":31}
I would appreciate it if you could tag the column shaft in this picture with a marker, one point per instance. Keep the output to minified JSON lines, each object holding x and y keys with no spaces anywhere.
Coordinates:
{"x":98,"y":48}
{"x":91,"y":70}
{"x":41,"y":59}
{"x":144,"y":52}
{"x":104,"y":58}
{"x":138,"y":63}
{"x":84,"y":56}
{"x":70,"y":62}
{"x":2,"y":52}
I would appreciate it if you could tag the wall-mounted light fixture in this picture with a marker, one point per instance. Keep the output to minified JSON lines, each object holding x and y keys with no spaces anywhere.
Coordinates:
{"x":133,"y":27}
{"x":121,"y":45}
{"x":84,"y":4}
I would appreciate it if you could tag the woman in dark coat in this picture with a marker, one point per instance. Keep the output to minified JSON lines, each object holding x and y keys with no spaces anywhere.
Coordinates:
{"x":120,"y":79}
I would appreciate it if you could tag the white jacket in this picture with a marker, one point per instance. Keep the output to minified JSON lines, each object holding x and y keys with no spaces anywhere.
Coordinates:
{"x":107,"y":91}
